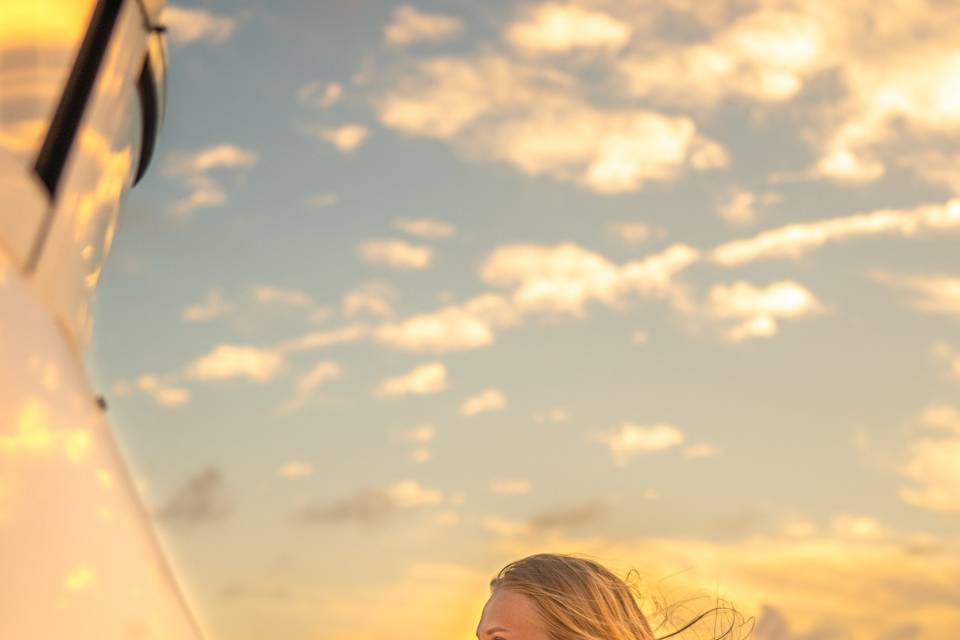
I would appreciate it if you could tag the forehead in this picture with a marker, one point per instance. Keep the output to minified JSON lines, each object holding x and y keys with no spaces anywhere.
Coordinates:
{"x":513,"y":611}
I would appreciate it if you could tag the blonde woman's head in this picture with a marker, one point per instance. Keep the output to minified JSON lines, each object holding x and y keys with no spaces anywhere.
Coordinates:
{"x":557,"y":597}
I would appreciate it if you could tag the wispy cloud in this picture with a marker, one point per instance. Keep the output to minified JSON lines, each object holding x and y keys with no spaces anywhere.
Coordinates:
{"x":409,"y":25}
{"x":370,"y":506}
{"x":424,"y":379}
{"x":930,"y":465}
{"x":228,"y":361}
{"x":630,"y":440}
{"x":202,"y":499}
{"x":320,"y":94}
{"x":484,"y":402}
{"x":796,"y":240}
{"x":213,"y":306}
{"x":295,"y":469}
{"x":185,"y":25}
{"x":758,"y":311}
{"x":398,"y":254}
{"x":346,"y":137}
{"x":193,"y":169}
{"x":271,"y":295}
{"x":560,"y":28}
{"x":510,"y":487}
{"x":164,"y":390}
{"x":373,"y":298}
{"x":932,"y":293}
{"x":742,"y":207}
{"x":425,"y":227}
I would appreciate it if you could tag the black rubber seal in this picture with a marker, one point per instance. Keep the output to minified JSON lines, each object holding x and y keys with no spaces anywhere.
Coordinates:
{"x":149,"y":117}
{"x":76,"y":94}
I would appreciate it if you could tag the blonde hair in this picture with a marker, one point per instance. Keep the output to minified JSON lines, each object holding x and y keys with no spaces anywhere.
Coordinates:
{"x":579,"y":599}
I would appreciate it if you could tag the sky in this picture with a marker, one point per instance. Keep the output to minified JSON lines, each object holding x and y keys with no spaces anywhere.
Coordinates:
{"x":414,"y":290}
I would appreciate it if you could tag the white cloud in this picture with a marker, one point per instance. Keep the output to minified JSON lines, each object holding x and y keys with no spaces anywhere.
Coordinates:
{"x":295,"y":469}
{"x":510,"y":486}
{"x":795,"y":240}
{"x":323,"y":339}
{"x":505,"y":527}
{"x":422,"y":434}
{"x":639,"y":336}
{"x":452,"y":328}
{"x":270,"y":295}
{"x":398,"y":254}
{"x":484,"y":402}
{"x":422,"y":380}
{"x":193,"y":170}
{"x":185,"y":26}
{"x":409,"y":26}
{"x":408,"y":494}
{"x":560,"y":28}
{"x":742,"y":207}
{"x":372,"y":298}
{"x":557,"y":414}
{"x":933,"y":293}
{"x":857,"y":527}
{"x":942,"y":416}
{"x":320,"y":94}
{"x":699,"y":450}
{"x":346,"y":138}
{"x":320,"y":374}
{"x":933,"y":473}
{"x":424,"y":227}
{"x":213,"y":306}
{"x":161,"y":389}
{"x":757,"y":311}
{"x":631,"y":439}
{"x":563,"y":278}
{"x":494,"y":108}
{"x":630,"y":232}
{"x":228,"y":361}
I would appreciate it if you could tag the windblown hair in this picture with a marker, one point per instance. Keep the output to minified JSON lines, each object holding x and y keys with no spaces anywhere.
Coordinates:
{"x":579,"y":599}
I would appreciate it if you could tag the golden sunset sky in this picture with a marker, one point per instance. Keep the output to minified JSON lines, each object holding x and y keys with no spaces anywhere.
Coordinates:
{"x":413,"y":290}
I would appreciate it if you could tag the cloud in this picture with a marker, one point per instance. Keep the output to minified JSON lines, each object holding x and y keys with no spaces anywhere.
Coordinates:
{"x":398,"y":254}
{"x":372,"y":298}
{"x":796,"y":240}
{"x":346,"y":138}
{"x":193,"y":169}
{"x":320,"y":94}
{"x":227,"y":361}
{"x":322,"y":339}
{"x":933,"y":474}
{"x":269,"y":295}
{"x":409,"y":26}
{"x":422,"y":380}
{"x":942,"y":416}
{"x":630,"y":440}
{"x":564,"y":277}
{"x":372,"y":506}
{"x":757,"y":310}
{"x":185,"y":26}
{"x":561,"y":28}
{"x":425,"y":227}
{"x":162,"y":389}
{"x":568,"y":517}
{"x":203,"y":498}
{"x":742,"y":207}
{"x":555,"y":415}
{"x":496,"y":109}
{"x":422,"y":434}
{"x":466,"y":326}
{"x":510,"y":487}
{"x":857,"y":526}
{"x":213,"y":306}
{"x":632,"y":233}
{"x":322,"y":200}
{"x":639,"y":337}
{"x":295,"y":469}
{"x":932,"y":293}
{"x":699,"y":450}
{"x":484,"y":402}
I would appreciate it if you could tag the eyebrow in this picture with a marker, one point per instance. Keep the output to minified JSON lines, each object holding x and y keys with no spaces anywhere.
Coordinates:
{"x":493,"y":630}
